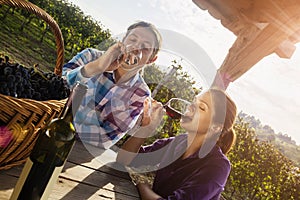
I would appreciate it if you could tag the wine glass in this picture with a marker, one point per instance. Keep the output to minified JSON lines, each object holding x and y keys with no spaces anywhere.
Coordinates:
{"x":131,"y":57}
{"x":176,"y":107}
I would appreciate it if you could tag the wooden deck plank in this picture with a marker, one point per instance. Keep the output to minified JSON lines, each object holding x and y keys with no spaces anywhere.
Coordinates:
{"x":99,"y":180}
{"x":7,"y":183}
{"x":85,"y":176}
{"x":89,"y":156}
{"x":68,"y":189}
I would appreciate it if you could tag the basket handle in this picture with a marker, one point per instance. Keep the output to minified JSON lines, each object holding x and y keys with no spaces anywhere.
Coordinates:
{"x":30,"y":7}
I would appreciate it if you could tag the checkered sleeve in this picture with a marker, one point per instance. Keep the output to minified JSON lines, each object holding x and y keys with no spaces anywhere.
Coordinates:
{"x":72,"y":70}
{"x":117,"y":117}
{"x":125,"y":111}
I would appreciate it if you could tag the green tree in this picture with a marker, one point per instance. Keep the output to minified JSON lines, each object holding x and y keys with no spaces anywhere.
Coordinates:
{"x":259,"y":170}
{"x":79,"y":30}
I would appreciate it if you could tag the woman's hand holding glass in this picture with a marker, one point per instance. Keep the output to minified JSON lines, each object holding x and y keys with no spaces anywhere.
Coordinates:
{"x":152,"y":117}
{"x":154,"y":111}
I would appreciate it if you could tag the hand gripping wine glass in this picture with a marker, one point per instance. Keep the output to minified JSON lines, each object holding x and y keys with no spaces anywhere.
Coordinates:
{"x":131,"y":57}
{"x":176,"y":107}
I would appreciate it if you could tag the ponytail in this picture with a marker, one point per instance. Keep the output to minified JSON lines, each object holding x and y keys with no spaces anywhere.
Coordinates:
{"x":227,"y":140}
{"x":226,"y":118}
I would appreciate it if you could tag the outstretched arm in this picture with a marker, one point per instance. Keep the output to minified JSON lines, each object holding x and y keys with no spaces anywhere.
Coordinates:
{"x":152,"y":116}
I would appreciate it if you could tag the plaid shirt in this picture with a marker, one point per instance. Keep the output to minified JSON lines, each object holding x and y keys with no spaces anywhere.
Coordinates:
{"x":108,"y":109}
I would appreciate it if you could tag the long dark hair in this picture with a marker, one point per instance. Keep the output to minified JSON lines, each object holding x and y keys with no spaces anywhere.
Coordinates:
{"x":227,"y":116}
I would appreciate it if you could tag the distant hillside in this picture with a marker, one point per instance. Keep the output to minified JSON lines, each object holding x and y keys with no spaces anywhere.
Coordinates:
{"x":284,"y":143}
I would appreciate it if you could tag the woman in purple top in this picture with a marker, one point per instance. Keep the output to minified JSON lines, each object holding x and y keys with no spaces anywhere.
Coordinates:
{"x":192,"y":165}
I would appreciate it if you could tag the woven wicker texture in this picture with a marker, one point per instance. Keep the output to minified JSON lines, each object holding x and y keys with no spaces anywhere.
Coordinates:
{"x":25,"y":117}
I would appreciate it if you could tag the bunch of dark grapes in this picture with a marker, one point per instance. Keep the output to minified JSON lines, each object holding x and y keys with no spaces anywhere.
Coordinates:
{"x":21,"y":82}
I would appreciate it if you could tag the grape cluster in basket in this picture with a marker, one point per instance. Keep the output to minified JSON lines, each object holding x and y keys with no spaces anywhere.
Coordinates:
{"x":21,"y":82}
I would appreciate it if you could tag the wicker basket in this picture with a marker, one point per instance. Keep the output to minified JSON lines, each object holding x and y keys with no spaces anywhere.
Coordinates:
{"x":24,"y":117}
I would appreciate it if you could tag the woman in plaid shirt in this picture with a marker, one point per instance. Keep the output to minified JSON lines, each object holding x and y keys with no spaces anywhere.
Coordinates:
{"x":116,"y":90}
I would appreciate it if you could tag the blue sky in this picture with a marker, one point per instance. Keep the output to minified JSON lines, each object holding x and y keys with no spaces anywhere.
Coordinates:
{"x":269,"y":90}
